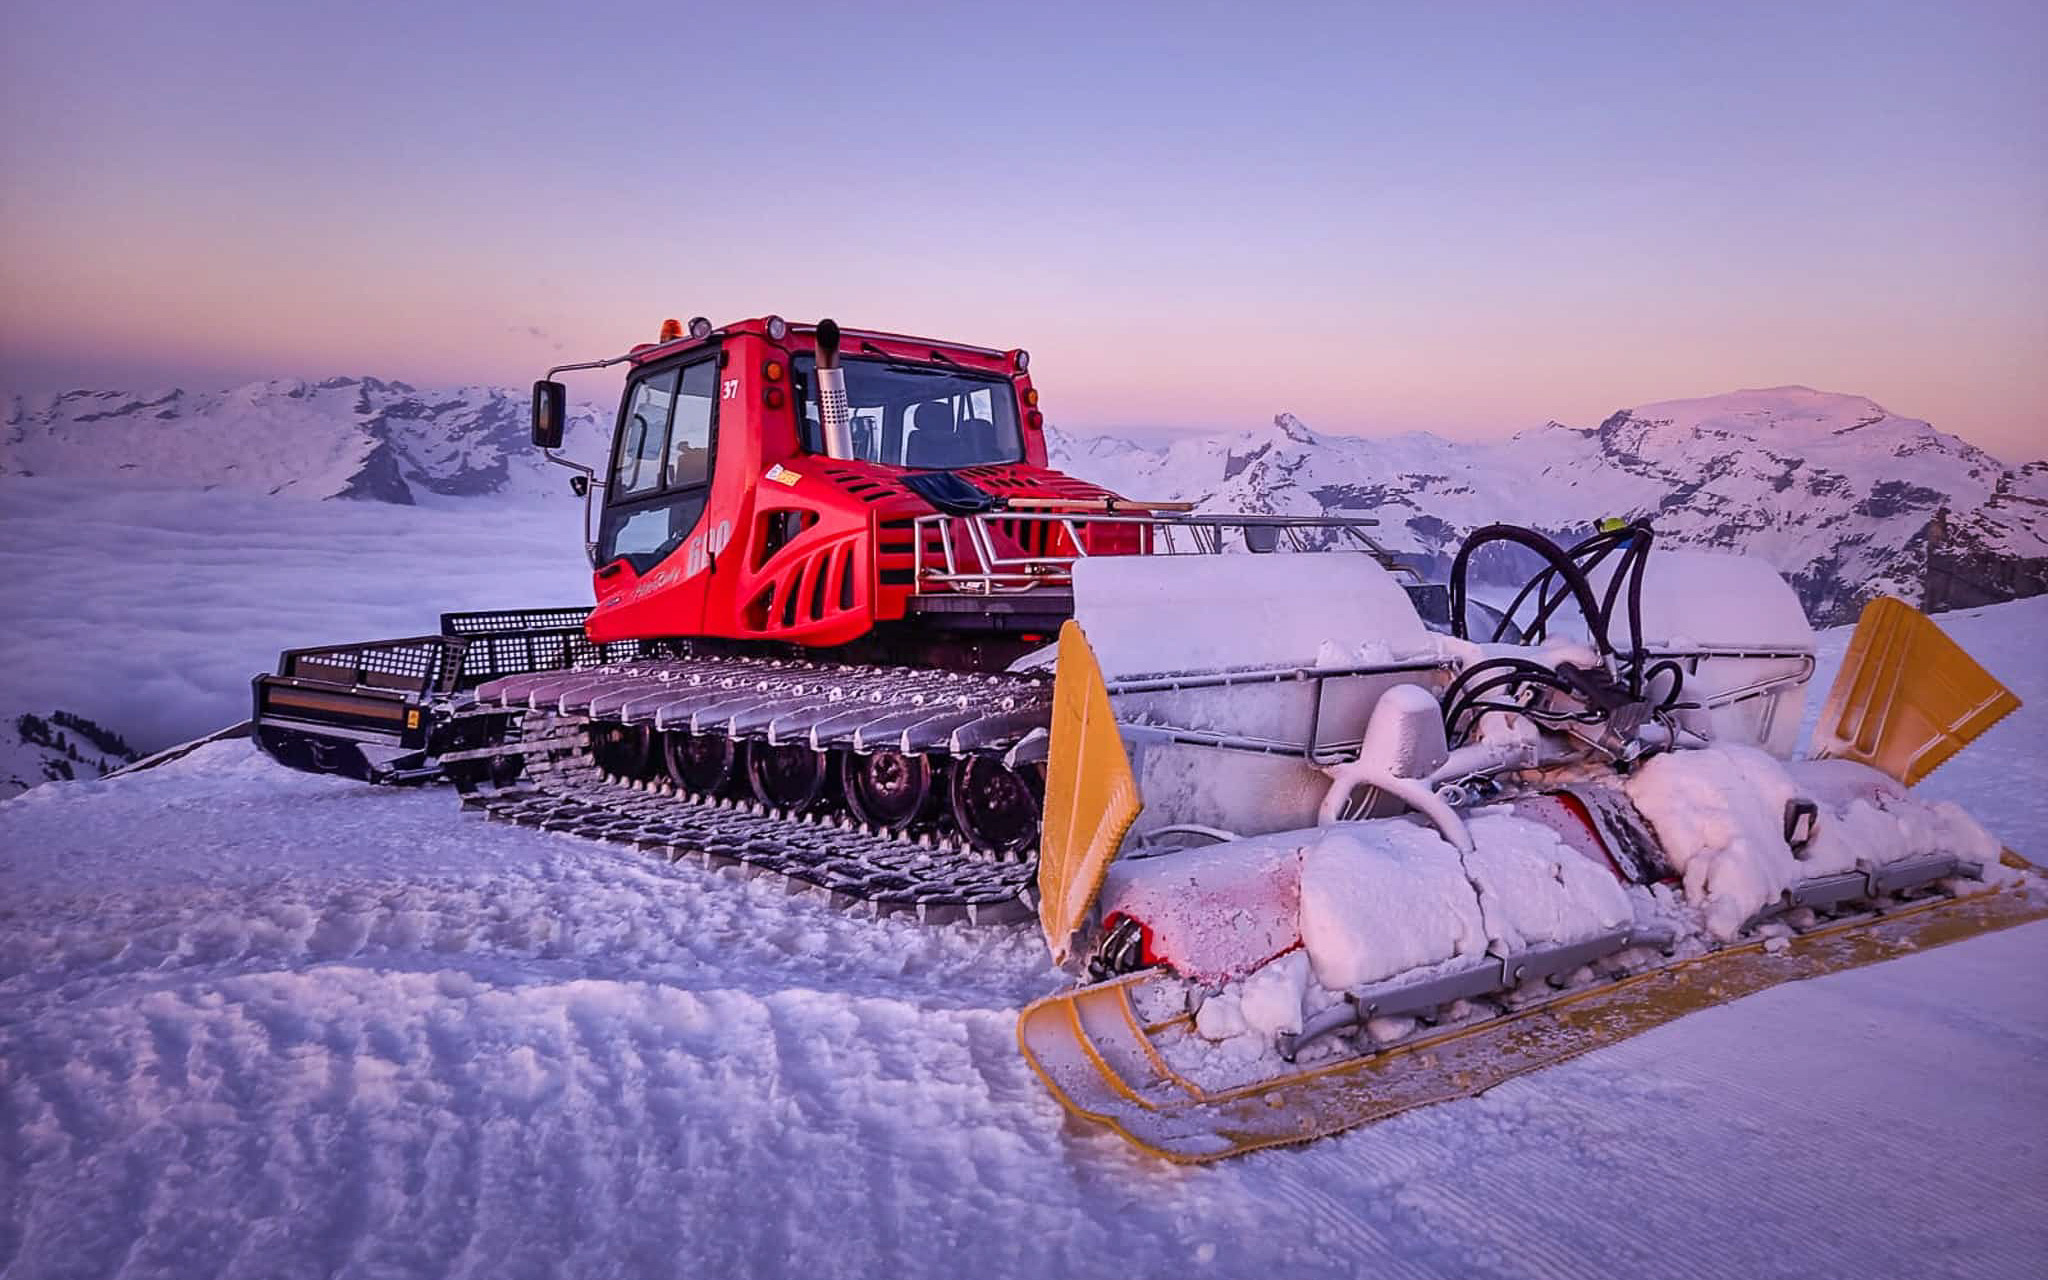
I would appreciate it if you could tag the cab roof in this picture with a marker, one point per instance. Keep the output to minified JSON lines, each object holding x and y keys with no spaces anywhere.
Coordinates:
{"x":803,"y":337}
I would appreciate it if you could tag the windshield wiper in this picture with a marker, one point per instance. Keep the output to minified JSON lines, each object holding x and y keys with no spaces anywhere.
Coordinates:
{"x":901,"y":365}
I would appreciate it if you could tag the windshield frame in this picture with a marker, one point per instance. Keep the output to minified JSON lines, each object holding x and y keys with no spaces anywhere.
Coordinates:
{"x":1004,"y":401}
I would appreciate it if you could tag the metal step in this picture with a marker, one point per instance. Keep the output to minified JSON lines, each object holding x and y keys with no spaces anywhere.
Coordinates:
{"x":785,"y":700}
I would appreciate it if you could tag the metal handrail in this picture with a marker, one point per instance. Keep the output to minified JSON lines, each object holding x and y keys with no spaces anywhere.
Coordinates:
{"x":1314,"y":748}
{"x":1761,"y":688}
{"x":997,"y":572}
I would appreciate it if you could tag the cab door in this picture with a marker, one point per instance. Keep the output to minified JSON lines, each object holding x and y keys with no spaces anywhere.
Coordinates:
{"x":651,"y":557}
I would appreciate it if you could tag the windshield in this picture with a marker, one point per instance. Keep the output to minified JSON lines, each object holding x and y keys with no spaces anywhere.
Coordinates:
{"x":919,"y":416}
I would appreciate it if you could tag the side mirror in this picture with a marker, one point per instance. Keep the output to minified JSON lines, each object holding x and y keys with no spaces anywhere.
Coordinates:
{"x":550,"y":411}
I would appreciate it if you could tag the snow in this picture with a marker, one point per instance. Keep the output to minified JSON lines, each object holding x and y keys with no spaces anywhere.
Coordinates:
{"x":42,"y":747}
{"x":1245,"y":914}
{"x":1366,"y":902}
{"x":1865,"y":816}
{"x":1404,"y":735}
{"x":1536,"y":891}
{"x":1709,"y":600}
{"x":259,"y":1024}
{"x":1385,"y":898}
{"x":1382,"y":901}
{"x":1719,"y":816}
{"x":1262,"y":1006}
{"x":1146,"y":615}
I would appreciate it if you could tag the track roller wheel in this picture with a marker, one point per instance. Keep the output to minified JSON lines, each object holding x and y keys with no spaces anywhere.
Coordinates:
{"x":888,"y":789}
{"x":997,"y":807}
{"x":700,"y":762}
{"x":623,"y":749}
{"x":498,"y":771}
{"x":787,"y":777}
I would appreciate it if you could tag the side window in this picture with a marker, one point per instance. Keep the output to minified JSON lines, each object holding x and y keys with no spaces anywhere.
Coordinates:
{"x":661,"y":466}
{"x":689,"y":444}
{"x":643,"y":533}
{"x":636,"y":469}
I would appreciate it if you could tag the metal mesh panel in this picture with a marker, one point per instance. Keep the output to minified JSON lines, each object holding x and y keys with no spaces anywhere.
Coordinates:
{"x":472,"y":648}
{"x":488,"y":621}
{"x":415,"y":663}
{"x":510,"y":653}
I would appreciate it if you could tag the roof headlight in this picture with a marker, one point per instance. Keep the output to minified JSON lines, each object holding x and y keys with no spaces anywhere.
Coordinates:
{"x":778,"y":328}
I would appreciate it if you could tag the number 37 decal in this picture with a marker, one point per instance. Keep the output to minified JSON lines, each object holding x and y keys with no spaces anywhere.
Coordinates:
{"x":729,"y":389}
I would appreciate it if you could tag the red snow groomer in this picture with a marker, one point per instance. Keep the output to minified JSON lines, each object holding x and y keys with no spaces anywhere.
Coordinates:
{"x":1322,"y":861}
{"x":817,"y":554}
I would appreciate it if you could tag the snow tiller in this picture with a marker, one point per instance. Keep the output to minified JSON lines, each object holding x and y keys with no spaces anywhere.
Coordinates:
{"x":1327,"y":866}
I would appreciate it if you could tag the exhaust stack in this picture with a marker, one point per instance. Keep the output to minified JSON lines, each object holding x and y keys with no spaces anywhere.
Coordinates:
{"x":832,"y":410}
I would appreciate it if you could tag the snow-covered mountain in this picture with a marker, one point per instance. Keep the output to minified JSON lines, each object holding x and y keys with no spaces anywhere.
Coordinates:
{"x":341,"y":438}
{"x":1835,"y":490}
{"x":56,"y":748}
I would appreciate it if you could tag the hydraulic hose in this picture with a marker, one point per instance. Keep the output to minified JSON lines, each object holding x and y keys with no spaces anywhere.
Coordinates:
{"x":1592,"y":550}
{"x":1574,"y":568}
{"x":1581,"y":590}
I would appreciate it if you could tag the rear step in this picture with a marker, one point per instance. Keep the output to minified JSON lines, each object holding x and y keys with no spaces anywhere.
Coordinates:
{"x":377,"y":710}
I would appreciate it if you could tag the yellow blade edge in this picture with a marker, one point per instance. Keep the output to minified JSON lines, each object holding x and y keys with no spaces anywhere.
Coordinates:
{"x":1907,"y":697}
{"x":1091,"y":796}
{"x":1172,"y":1119}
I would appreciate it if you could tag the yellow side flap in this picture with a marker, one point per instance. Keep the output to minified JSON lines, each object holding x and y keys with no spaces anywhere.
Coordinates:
{"x":1091,"y":796}
{"x":1907,"y":697}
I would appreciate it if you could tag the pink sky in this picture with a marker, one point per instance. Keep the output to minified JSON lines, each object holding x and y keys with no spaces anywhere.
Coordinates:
{"x":1467,"y":221}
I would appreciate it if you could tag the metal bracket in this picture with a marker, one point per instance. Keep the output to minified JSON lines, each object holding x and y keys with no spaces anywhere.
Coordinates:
{"x":1802,"y":817}
{"x":1492,"y":975}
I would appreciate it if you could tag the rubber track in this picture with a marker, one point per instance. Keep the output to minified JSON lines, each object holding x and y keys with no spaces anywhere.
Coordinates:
{"x":938,"y":881}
